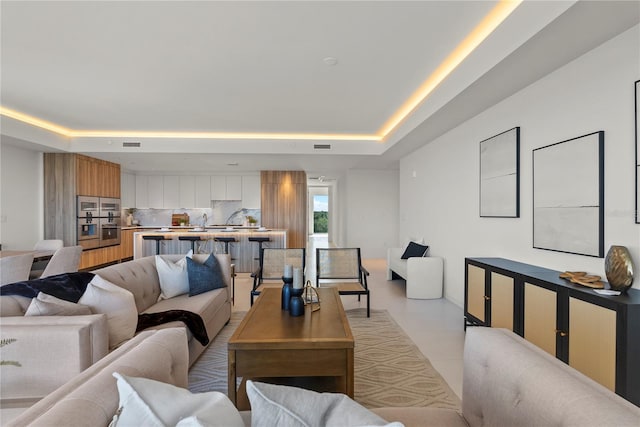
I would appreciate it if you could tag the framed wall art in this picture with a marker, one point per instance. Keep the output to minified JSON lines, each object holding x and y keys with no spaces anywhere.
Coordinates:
{"x":500,"y":175}
{"x":637,"y":115}
{"x":568,"y":196}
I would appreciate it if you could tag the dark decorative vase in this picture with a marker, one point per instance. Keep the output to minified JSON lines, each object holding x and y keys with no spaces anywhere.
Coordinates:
{"x":286,"y":292}
{"x":619,"y":268}
{"x":296,"y":305}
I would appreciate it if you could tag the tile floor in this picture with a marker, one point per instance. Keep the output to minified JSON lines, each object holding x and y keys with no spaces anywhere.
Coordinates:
{"x":435,"y":326}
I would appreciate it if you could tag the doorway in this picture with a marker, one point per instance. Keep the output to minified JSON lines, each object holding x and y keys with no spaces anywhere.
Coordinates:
{"x":320,"y":214}
{"x":319,"y":218}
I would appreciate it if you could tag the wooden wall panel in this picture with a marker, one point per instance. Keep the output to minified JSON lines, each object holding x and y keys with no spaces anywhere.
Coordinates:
{"x":284,"y":204}
{"x":60,"y":197}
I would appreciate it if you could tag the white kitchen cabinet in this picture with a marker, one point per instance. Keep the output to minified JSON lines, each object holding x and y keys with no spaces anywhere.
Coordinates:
{"x":127,"y":190}
{"x":202,"y":191}
{"x":155,"y":189}
{"x":226,"y":187}
{"x":234,"y":187}
{"x":187,"y":192}
{"x":142,"y":191}
{"x":218,"y":187}
{"x":171,"y":192}
{"x":251,"y":191}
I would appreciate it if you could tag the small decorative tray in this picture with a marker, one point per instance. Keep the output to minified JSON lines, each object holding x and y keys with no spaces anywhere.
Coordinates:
{"x":582,"y":278}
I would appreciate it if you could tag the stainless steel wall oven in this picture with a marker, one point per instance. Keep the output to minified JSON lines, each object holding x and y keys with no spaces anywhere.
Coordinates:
{"x":98,"y":221}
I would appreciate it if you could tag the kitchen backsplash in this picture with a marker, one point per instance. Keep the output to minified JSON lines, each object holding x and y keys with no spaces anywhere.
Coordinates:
{"x":221,"y":212}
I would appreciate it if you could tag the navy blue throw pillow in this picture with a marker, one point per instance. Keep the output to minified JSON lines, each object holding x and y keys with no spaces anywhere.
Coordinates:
{"x":204,"y":277}
{"x":414,"y":250}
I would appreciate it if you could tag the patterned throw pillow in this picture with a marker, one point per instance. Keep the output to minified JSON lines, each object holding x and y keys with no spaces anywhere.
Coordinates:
{"x":204,"y":277}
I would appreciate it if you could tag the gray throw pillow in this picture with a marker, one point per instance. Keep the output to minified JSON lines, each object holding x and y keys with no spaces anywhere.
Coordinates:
{"x":204,"y":277}
{"x":283,"y":406}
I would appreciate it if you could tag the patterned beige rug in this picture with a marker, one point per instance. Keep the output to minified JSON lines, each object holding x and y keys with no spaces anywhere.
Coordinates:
{"x":389,"y":369}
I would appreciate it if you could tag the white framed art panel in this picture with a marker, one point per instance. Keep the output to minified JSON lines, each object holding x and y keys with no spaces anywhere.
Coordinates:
{"x":568,"y":196}
{"x":500,"y":175}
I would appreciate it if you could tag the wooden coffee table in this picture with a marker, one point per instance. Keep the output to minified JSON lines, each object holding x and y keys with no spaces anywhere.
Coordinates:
{"x":313,"y":351}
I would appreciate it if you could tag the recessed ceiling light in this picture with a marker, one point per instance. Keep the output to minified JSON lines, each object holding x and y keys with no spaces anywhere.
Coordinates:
{"x":330,"y":60}
{"x":232,"y":164}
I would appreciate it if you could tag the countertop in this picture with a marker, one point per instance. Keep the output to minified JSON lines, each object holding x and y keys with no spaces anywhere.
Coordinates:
{"x":186,"y":227}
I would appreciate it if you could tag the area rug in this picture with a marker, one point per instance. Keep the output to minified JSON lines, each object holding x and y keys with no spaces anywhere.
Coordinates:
{"x":389,"y":369}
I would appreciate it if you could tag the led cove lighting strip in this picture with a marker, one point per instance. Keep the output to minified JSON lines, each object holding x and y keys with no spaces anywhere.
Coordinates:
{"x":490,"y":22}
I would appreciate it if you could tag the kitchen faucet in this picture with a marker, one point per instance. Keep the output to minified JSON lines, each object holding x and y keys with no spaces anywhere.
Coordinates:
{"x":204,"y":219}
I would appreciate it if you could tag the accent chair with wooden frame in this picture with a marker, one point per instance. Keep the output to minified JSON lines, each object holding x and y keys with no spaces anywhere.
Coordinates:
{"x":342,"y":268}
{"x":271,"y":269}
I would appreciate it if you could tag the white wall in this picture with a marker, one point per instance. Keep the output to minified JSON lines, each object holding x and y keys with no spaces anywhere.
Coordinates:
{"x":594,"y":92}
{"x":371,"y":211}
{"x":21,"y":209}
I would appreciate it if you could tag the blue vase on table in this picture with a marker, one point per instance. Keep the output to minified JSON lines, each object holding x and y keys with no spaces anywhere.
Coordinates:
{"x":286,"y":292}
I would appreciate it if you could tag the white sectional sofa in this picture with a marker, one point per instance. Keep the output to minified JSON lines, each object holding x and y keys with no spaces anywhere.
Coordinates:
{"x":53,"y":349}
{"x":422,"y":274}
{"x":507,"y":381}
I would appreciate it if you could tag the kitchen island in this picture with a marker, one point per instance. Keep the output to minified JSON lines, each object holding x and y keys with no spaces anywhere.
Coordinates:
{"x":242,"y":251}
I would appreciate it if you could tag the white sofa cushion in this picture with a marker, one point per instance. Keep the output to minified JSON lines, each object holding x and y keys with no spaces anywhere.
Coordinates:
{"x":277,"y":405}
{"x":173,"y":277}
{"x":118,"y":304}
{"x":48,"y":305}
{"x":145,"y":402}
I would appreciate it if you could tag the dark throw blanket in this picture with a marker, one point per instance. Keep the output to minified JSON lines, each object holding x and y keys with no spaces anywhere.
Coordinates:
{"x":71,"y":286}
{"x":193,"y":321}
{"x":66,"y":286}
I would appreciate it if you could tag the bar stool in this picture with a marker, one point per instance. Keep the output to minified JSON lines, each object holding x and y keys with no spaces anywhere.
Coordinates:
{"x":260,"y":240}
{"x":158,"y":239}
{"x":192,"y":239}
{"x":226,"y":241}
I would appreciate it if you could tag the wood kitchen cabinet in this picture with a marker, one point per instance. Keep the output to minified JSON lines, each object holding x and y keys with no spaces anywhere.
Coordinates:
{"x":596,"y":334}
{"x":95,"y":177}
{"x":126,"y":244}
{"x":283,"y":204}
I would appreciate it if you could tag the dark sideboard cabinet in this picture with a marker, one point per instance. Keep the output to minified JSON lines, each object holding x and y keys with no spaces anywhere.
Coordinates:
{"x":596,"y":334}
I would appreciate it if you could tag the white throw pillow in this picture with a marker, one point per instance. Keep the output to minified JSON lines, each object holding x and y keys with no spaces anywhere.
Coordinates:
{"x":48,"y":305}
{"x":117,"y":303}
{"x":149,"y":403}
{"x":173,"y":276}
{"x":278,"y":405}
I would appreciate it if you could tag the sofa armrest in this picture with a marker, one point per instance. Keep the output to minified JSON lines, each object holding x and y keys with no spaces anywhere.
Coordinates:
{"x":50,"y":351}
{"x":91,"y":398}
{"x":424,"y":277}
{"x":393,"y":254}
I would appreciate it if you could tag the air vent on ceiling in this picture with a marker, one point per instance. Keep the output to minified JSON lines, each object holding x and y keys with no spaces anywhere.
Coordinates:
{"x":130,"y":144}
{"x":322,"y":146}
